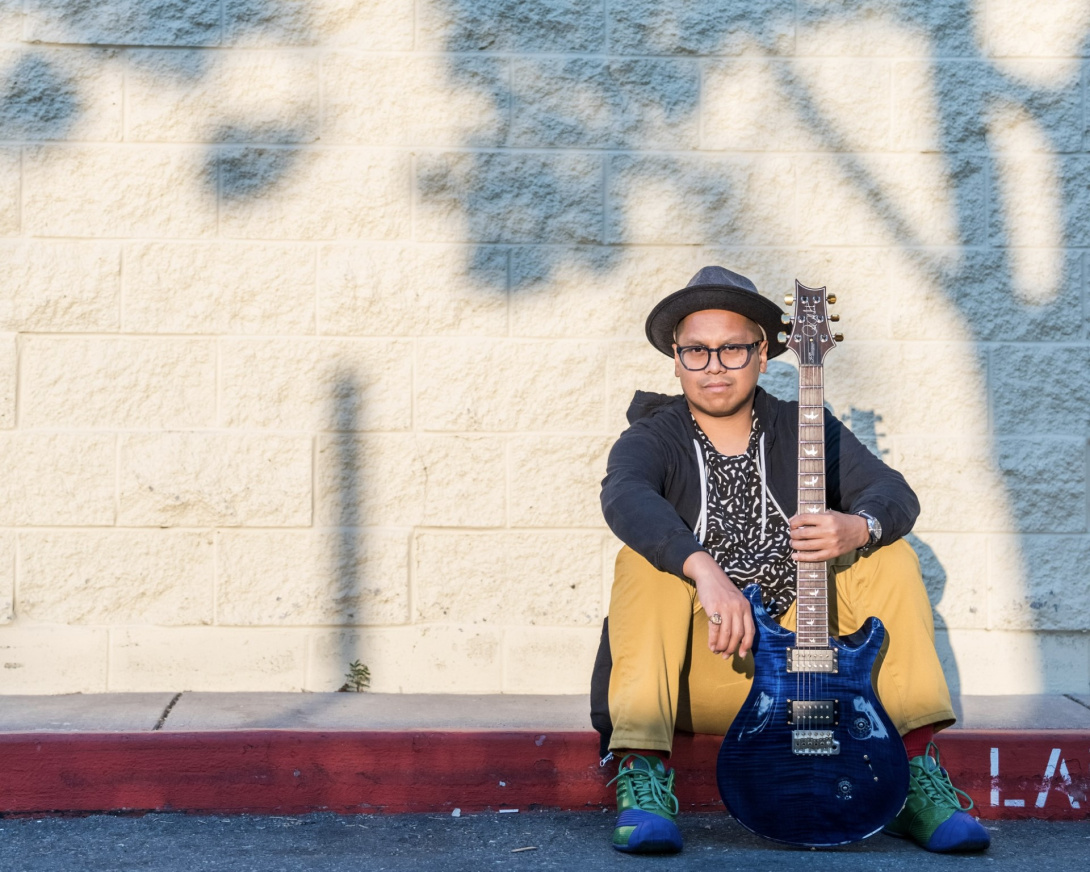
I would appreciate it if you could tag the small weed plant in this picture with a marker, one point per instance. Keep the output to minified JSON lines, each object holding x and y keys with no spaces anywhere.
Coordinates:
{"x":359,"y":678}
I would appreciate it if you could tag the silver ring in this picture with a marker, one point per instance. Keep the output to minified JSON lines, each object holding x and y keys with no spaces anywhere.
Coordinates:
{"x":716,"y":618}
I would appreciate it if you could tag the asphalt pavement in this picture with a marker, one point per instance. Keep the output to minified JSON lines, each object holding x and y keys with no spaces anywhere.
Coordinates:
{"x":518,"y":841}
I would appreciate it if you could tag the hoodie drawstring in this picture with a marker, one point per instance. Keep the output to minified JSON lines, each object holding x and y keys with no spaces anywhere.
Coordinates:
{"x":764,"y":487}
{"x":701,"y":528}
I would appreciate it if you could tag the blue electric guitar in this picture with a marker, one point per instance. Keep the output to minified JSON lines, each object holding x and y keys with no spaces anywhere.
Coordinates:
{"x":812,"y":758}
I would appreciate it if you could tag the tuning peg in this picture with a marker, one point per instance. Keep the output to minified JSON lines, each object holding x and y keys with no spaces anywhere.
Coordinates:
{"x":834,"y":317}
{"x":789,"y":299}
{"x":781,"y":337}
{"x":839,"y":337}
{"x":831,"y":298}
{"x":786,"y":319}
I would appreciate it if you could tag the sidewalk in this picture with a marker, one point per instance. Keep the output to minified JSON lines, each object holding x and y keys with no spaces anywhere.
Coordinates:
{"x":1017,"y":756}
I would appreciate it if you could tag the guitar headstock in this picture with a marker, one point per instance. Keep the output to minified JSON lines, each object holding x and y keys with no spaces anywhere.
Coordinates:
{"x":810,"y":337}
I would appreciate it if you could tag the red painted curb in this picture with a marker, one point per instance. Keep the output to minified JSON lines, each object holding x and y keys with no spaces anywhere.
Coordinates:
{"x":1008,"y":774}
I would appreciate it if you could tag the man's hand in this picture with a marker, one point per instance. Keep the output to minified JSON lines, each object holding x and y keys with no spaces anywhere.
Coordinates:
{"x":719,"y":595}
{"x":825,"y":536}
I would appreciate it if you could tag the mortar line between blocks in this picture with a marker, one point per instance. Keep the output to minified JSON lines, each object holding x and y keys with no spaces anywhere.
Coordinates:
{"x":16,"y":562}
{"x":217,"y":401}
{"x":315,"y":248}
{"x":509,"y":521}
{"x":217,"y":538}
{"x":21,"y":197}
{"x":504,"y":652}
{"x":121,"y":266}
{"x":604,"y":169}
{"x":509,"y":291}
{"x":117,"y":479}
{"x":125,"y":96}
{"x":18,"y":341}
{"x":109,"y":657}
{"x":1086,"y":494}
{"x":410,"y":576}
{"x":701,"y":90}
{"x":509,"y":109}
{"x":413,"y":170}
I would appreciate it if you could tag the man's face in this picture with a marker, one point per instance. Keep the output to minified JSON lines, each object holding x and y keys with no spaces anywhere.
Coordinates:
{"x":716,"y":391}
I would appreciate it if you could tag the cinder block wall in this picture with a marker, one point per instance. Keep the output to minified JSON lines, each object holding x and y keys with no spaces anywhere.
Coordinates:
{"x":319,"y":316}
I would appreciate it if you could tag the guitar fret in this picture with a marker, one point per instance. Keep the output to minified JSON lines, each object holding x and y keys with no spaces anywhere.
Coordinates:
{"x":812,"y":626}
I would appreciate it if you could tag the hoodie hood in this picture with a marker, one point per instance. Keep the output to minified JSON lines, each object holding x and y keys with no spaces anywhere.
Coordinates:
{"x":647,"y":403}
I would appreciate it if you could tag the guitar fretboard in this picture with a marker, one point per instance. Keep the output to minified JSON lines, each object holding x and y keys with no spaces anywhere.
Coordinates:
{"x":812,"y":630}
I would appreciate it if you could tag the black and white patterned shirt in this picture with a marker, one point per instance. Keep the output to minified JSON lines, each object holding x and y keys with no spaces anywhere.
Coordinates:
{"x":749,"y":549}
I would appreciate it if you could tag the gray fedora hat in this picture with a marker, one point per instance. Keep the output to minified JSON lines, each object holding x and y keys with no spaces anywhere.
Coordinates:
{"x":714,"y":287}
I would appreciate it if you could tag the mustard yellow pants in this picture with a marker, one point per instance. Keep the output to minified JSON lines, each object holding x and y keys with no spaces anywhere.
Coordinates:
{"x":664,"y":675}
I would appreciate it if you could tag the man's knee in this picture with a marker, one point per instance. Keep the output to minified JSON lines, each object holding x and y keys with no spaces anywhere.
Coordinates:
{"x":638,"y":586}
{"x":896,"y":564}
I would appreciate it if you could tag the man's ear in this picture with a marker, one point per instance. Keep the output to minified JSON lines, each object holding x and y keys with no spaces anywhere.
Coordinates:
{"x":763,"y":351}
{"x":677,"y":362}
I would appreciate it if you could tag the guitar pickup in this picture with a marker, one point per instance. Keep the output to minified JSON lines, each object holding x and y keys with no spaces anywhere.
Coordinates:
{"x":811,"y":660}
{"x":813,"y":712}
{"x":814,"y":742}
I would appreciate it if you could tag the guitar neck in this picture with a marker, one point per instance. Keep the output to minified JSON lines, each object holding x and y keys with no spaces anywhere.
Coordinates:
{"x":812,"y":589}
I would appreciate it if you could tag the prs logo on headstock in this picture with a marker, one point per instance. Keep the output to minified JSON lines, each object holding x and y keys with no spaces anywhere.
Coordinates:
{"x":810,"y":338}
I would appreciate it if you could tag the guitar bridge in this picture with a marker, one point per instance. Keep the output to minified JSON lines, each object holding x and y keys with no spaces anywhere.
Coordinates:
{"x":811,"y":660}
{"x":814,"y":742}
{"x":816,"y":712}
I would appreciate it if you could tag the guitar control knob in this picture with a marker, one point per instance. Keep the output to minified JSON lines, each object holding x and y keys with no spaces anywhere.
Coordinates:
{"x":839,"y":337}
{"x":781,"y":337}
{"x":831,"y":298}
{"x":789,"y":299}
{"x":834,"y":317}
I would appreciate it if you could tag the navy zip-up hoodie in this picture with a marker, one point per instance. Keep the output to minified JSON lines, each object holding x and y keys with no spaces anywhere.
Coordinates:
{"x":653,"y":490}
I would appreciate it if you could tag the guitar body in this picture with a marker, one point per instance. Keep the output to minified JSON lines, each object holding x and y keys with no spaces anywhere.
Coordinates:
{"x":812,"y":797}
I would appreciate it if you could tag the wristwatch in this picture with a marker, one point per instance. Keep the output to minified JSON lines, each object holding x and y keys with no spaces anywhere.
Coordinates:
{"x":874,"y":529}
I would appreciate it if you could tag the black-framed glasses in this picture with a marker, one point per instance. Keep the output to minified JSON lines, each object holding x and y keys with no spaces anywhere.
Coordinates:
{"x":731,"y":356}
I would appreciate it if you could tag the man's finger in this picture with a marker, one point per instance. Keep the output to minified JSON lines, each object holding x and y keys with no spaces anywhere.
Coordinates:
{"x":747,"y":638}
{"x":736,"y":634}
{"x":719,"y":634}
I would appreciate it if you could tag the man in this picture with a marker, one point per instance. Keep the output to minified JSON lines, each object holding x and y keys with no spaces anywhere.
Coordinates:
{"x":702,"y":489}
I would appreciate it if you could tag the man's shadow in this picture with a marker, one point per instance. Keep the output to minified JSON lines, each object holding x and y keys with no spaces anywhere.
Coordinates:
{"x":864,"y":424}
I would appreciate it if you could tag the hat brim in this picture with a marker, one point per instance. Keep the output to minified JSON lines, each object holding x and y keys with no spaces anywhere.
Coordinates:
{"x":696,"y":298}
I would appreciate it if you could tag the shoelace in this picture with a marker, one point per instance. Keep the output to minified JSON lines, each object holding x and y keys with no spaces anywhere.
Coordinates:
{"x":936,"y":782}
{"x":649,"y":787}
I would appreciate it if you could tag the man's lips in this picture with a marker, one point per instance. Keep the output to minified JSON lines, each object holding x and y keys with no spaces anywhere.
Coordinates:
{"x":715,"y":386}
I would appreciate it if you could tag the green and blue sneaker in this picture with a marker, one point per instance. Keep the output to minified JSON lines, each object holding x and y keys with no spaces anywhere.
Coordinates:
{"x":647,"y":806}
{"x":933,"y":816}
